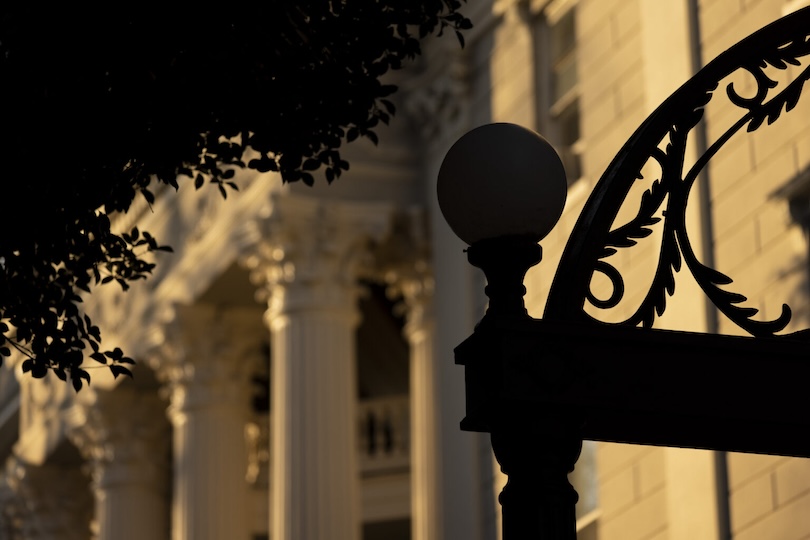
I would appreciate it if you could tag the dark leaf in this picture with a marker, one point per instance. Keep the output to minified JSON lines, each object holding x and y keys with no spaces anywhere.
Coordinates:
{"x":263,"y":165}
{"x":39,"y":370}
{"x":120,"y":370}
{"x":95,"y":332}
{"x":389,"y":106}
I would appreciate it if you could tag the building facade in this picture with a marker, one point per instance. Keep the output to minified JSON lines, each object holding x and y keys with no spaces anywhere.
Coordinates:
{"x":295,"y":376}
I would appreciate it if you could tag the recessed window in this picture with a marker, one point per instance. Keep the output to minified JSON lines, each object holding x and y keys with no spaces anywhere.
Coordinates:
{"x":557,"y":87}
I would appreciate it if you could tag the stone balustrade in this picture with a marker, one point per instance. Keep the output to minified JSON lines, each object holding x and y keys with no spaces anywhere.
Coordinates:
{"x":382,"y":439}
{"x":383,"y":434}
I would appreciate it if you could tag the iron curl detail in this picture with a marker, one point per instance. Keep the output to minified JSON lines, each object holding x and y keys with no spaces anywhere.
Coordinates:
{"x":662,"y":140}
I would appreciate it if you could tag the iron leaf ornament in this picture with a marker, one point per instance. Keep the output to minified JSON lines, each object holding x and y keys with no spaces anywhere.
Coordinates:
{"x":662,"y":141}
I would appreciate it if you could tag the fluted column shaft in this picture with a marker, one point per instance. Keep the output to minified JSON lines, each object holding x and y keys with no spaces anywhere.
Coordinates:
{"x":130,"y":502}
{"x":210,"y":461}
{"x":207,"y":371}
{"x":420,"y":333}
{"x":314,"y":438}
{"x":125,"y":437}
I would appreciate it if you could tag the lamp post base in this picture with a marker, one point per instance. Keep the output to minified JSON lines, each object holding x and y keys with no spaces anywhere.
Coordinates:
{"x":537,"y":452}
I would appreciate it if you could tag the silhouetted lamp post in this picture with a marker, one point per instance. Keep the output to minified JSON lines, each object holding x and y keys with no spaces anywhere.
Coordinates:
{"x":541,"y":386}
{"x":502,"y":188}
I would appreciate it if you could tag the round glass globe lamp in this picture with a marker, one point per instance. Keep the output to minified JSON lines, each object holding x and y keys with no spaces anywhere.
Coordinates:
{"x":501,"y":180}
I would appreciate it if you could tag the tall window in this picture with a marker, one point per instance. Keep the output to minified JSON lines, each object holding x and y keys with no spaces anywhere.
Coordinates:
{"x":557,"y":83}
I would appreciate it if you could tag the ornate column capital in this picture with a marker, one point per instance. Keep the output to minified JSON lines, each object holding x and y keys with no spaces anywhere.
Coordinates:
{"x":417,"y":293}
{"x":312,"y":251}
{"x":123,"y":434}
{"x":208,"y":355}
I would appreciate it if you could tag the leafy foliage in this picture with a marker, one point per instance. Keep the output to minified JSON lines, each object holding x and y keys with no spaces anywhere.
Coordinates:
{"x":101,"y":104}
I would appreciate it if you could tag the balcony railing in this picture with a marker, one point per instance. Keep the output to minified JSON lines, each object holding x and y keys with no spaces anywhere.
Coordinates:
{"x":383,"y":445}
{"x":384,"y":429}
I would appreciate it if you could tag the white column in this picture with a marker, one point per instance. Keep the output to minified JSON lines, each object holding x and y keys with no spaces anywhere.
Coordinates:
{"x":308,"y":262}
{"x":409,"y":274}
{"x":314,"y":471}
{"x":206,"y":365}
{"x":424,"y":398}
{"x":125,"y":437}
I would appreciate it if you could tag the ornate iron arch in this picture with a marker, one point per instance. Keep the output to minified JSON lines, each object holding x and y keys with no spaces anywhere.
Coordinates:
{"x":662,"y":139}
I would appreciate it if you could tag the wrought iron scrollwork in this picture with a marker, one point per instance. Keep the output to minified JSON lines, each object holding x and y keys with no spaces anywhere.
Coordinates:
{"x":662,"y":140}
